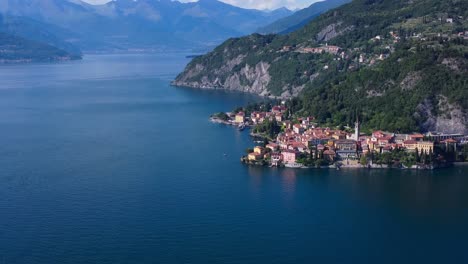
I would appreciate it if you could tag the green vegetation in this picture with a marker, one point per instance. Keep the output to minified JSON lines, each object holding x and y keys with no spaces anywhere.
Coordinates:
{"x":268,"y":128}
{"x":336,"y":100}
{"x":16,"y":49}
{"x":463,"y":156}
{"x":402,"y":62}
{"x":221,"y":116}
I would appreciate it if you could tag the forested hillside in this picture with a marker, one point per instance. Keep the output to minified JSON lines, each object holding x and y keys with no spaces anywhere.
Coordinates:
{"x":401,"y":64}
{"x":15,"y":49}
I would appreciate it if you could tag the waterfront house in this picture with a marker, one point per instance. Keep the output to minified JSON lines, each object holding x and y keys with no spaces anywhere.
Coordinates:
{"x":276,"y":159}
{"x":413,"y":145}
{"x":347,"y":154}
{"x":410,"y":145}
{"x":253,"y":156}
{"x":365,"y":148}
{"x":240,"y":117}
{"x":259,"y":150}
{"x":425,"y":146}
{"x":329,"y":155}
{"x":290,"y":156}
{"x":346,"y":144}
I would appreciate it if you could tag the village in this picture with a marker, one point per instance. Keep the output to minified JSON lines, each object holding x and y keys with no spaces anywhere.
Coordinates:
{"x":386,"y":44}
{"x":302,"y":143}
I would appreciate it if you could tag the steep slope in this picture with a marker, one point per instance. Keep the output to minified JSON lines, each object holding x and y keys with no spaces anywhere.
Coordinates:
{"x":15,"y":49}
{"x":402,"y":64}
{"x":143,"y":24}
{"x":301,"y":17}
{"x":40,"y":32}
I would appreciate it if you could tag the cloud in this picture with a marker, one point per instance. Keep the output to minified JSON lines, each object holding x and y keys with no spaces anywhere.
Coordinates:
{"x":256,"y":4}
{"x":96,"y":2}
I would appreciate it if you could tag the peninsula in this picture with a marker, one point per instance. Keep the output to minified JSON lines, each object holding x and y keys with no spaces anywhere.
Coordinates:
{"x":290,"y":140}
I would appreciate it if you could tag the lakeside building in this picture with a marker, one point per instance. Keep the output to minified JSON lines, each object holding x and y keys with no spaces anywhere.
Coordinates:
{"x":254,"y":156}
{"x":301,"y":139}
{"x":413,"y":145}
{"x":240,"y":117}
{"x":437,"y":137}
{"x":290,"y":156}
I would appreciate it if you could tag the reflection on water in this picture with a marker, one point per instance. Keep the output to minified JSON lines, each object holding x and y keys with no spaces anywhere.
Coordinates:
{"x":99,"y":166}
{"x":288,"y":179}
{"x":440,"y":193}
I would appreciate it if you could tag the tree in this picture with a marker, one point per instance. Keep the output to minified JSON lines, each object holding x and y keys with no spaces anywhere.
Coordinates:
{"x":418,"y":158}
{"x":320,"y":163}
{"x":363,"y":160}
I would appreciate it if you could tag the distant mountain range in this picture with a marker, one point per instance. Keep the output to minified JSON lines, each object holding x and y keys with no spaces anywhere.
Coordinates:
{"x":34,"y":30}
{"x":300,"y":18}
{"x":126,"y":25}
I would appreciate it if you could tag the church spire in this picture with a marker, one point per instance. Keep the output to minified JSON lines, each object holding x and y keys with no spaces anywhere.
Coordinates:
{"x":357,"y":128}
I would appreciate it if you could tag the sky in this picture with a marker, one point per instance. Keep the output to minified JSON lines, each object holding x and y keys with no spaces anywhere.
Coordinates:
{"x":257,"y":4}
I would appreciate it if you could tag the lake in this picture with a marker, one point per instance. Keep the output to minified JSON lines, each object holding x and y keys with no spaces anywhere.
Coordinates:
{"x":101,"y":161}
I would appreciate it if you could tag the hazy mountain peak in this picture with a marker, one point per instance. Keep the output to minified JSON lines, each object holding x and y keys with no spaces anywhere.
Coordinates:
{"x":121,"y":24}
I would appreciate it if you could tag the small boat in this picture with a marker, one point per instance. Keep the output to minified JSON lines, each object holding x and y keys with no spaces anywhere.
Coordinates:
{"x":294,"y":165}
{"x":241,"y":127}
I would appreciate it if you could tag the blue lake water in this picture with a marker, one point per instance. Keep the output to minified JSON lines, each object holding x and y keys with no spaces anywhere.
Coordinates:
{"x":101,"y":161}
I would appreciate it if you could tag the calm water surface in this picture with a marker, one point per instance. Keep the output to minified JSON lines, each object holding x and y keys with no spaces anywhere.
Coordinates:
{"x":101,"y":161}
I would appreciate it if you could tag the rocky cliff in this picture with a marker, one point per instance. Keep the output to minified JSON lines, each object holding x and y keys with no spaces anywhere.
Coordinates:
{"x":403,"y":64}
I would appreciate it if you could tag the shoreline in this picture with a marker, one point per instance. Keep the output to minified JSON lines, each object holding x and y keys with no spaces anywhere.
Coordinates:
{"x":335,"y":164}
{"x":356,"y":167}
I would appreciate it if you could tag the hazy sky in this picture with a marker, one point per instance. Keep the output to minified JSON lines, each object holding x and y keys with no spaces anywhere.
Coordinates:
{"x":257,"y":4}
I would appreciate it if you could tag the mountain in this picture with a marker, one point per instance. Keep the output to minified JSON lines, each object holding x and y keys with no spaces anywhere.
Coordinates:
{"x":403,"y":65}
{"x":15,"y":49}
{"x":39,"y":32}
{"x":143,"y":24}
{"x":300,"y":18}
